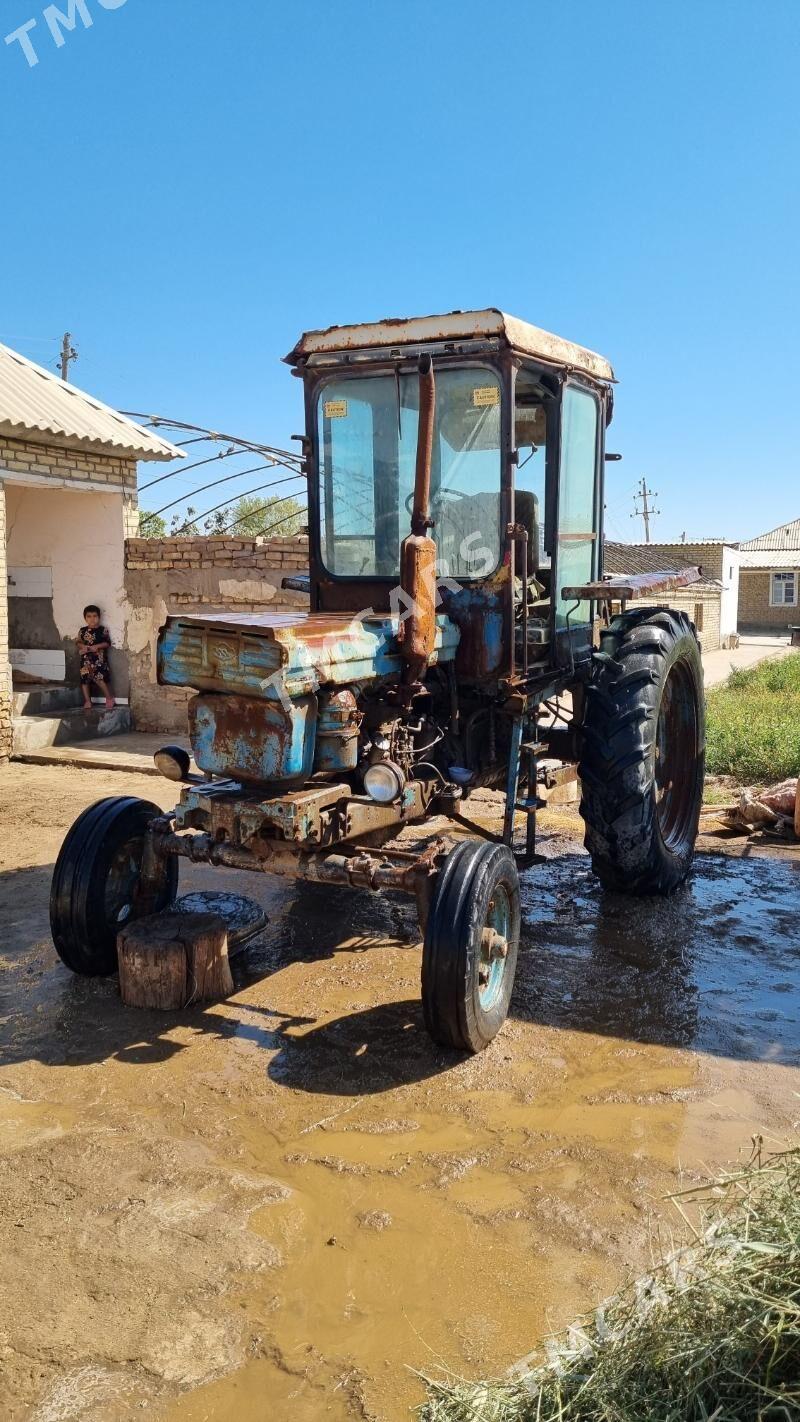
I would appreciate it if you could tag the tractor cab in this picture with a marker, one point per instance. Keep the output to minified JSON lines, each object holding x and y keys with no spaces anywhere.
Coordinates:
{"x":514,"y":503}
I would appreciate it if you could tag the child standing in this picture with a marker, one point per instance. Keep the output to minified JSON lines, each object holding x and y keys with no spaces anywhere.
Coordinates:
{"x":93,"y":643}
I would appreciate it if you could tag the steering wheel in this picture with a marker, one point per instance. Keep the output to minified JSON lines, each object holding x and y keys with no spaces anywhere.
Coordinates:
{"x":443,"y":489}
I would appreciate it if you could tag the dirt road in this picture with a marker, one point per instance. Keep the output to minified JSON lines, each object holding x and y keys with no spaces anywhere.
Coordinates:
{"x":278,"y":1206}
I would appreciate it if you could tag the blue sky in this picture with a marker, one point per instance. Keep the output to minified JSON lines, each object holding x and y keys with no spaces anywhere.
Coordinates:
{"x":189,"y":183}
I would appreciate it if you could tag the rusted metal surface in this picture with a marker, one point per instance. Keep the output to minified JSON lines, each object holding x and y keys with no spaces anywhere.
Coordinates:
{"x":477,"y":610}
{"x":417,"y":632}
{"x":489,"y":324}
{"x":293,"y":653}
{"x":252,"y":739}
{"x":226,"y":811}
{"x":338,"y":724}
{"x":518,"y":534}
{"x":640,"y":585}
{"x":364,"y":869}
{"x":312,"y":815}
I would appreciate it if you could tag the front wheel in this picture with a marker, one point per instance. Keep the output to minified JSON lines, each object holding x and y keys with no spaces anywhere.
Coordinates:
{"x":469,"y":954}
{"x":97,"y":883}
{"x":643,"y":755}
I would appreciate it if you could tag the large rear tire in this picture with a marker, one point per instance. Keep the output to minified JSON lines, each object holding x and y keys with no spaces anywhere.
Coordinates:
{"x":643,"y":752}
{"x":469,"y":954}
{"x":97,"y":880}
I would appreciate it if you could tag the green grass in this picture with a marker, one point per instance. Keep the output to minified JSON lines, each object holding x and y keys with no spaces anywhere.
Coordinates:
{"x":753,"y":723}
{"x":711,"y":1335}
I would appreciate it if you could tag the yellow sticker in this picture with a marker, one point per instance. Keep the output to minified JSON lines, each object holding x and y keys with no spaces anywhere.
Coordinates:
{"x":486,"y":395}
{"x":335,"y":409}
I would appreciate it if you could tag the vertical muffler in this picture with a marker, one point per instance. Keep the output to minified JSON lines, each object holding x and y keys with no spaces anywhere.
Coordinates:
{"x":417,"y":632}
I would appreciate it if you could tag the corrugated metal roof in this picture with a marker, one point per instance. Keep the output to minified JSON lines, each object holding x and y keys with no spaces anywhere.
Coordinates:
{"x":36,"y":405}
{"x":453,"y":326}
{"x":771,"y":558}
{"x":625,"y":559}
{"x":679,"y":543}
{"x":786,"y":536}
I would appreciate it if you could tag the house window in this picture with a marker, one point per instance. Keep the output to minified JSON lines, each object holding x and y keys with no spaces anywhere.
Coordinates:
{"x":698,"y":616}
{"x":783,"y":590}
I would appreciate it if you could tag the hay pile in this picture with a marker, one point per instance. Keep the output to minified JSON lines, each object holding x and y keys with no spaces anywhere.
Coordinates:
{"x":712,"y":1335}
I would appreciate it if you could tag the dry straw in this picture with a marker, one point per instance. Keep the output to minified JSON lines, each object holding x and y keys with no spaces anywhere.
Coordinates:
{"x":711,"y":1335}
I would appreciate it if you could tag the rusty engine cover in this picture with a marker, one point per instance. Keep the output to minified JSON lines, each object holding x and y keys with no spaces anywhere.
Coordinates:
{"x":252,"y":740}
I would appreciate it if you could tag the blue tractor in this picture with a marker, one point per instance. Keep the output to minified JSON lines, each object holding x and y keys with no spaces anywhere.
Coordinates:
{"x":460,"y":634}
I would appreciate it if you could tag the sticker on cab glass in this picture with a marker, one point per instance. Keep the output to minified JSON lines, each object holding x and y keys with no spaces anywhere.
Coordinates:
{"x":486,"y":395}
{"x":335,"y":409}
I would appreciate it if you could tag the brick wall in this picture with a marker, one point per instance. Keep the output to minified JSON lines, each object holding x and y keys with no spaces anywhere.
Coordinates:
{"x":754,"y":608}
{"x":5,"y":669}
{"x":256,"y":555}
{"x":196,"y":574}
{"x":689,"y":600}
{"x":26,"y":457}
{"x":708,"y":556}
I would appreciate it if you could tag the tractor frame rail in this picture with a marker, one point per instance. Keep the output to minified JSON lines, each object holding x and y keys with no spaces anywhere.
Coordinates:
{"x":387,"y":868}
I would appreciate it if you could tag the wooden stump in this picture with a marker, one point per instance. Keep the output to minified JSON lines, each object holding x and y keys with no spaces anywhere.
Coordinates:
{"x":170,"y":960}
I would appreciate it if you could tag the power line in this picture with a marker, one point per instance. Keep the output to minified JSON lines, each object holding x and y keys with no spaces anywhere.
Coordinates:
{"x":32,"y":340}
{"x":645,"y":512}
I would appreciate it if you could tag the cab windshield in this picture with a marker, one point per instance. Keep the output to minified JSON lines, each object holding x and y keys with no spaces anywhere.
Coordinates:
{"x":367,"y":430}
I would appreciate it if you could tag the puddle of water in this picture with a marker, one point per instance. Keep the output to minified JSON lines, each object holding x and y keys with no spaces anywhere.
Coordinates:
{"x":438,"y":1210}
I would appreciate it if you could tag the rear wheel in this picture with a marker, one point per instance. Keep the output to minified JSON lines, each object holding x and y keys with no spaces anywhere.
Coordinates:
{"x":469,"y":955}
{"x":97,"y":883}
{"x":643,"y":752}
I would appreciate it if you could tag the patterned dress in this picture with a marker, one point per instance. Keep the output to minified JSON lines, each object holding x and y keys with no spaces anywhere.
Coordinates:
{"x":94,"y":664}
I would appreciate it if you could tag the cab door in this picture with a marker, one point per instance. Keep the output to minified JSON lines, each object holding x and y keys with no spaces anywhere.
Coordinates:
{"x":578,"y":519}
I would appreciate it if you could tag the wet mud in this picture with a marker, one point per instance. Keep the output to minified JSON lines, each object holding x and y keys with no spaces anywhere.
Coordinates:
{"x":290,"y":1204}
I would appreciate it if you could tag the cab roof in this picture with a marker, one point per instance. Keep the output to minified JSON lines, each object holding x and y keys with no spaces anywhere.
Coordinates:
{"x":453,"y":326}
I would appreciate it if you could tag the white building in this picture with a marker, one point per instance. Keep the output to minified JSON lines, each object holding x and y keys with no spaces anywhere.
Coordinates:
{"x":67,"y":502}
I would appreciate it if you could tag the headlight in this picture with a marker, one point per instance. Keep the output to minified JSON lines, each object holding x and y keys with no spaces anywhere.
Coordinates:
{"x":173,"y":762}
{"x":384,"y":781}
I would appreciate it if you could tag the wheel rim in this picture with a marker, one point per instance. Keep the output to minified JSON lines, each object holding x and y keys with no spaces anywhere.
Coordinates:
{"x":123,"y":877}
{"x":494,"y":948}
{"x":676,"y":750}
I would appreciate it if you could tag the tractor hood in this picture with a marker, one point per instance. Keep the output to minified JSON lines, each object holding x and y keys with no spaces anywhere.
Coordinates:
{"x":277,"y":654}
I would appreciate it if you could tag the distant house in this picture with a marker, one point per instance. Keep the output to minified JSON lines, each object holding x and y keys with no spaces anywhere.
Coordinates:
{"x":769,"y":592}
{"x":712,"y":603}
{"x":67,"y":501}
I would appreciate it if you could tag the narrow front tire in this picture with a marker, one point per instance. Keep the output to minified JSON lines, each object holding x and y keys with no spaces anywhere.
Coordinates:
{"x":97,"y":884}
{"x":469,"y":955}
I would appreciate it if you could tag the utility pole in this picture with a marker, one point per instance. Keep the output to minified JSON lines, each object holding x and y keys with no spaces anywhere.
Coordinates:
{"x":645,"y":512}
{"x":68,"y":354}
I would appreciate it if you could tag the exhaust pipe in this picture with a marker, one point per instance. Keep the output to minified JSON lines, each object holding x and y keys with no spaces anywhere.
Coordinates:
{"x":417,"y":633}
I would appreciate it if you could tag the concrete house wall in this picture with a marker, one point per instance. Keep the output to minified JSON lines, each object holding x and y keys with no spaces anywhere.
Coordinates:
{"x":80,"y":537}
{"x":68,"y":466}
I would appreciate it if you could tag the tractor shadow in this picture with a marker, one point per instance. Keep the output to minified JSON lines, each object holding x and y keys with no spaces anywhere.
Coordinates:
{"x":49,"y":1015}
{"x":714,"y":968}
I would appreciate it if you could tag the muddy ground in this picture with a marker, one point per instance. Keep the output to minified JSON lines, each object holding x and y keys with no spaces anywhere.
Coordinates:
{"x":281,"y":1205}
